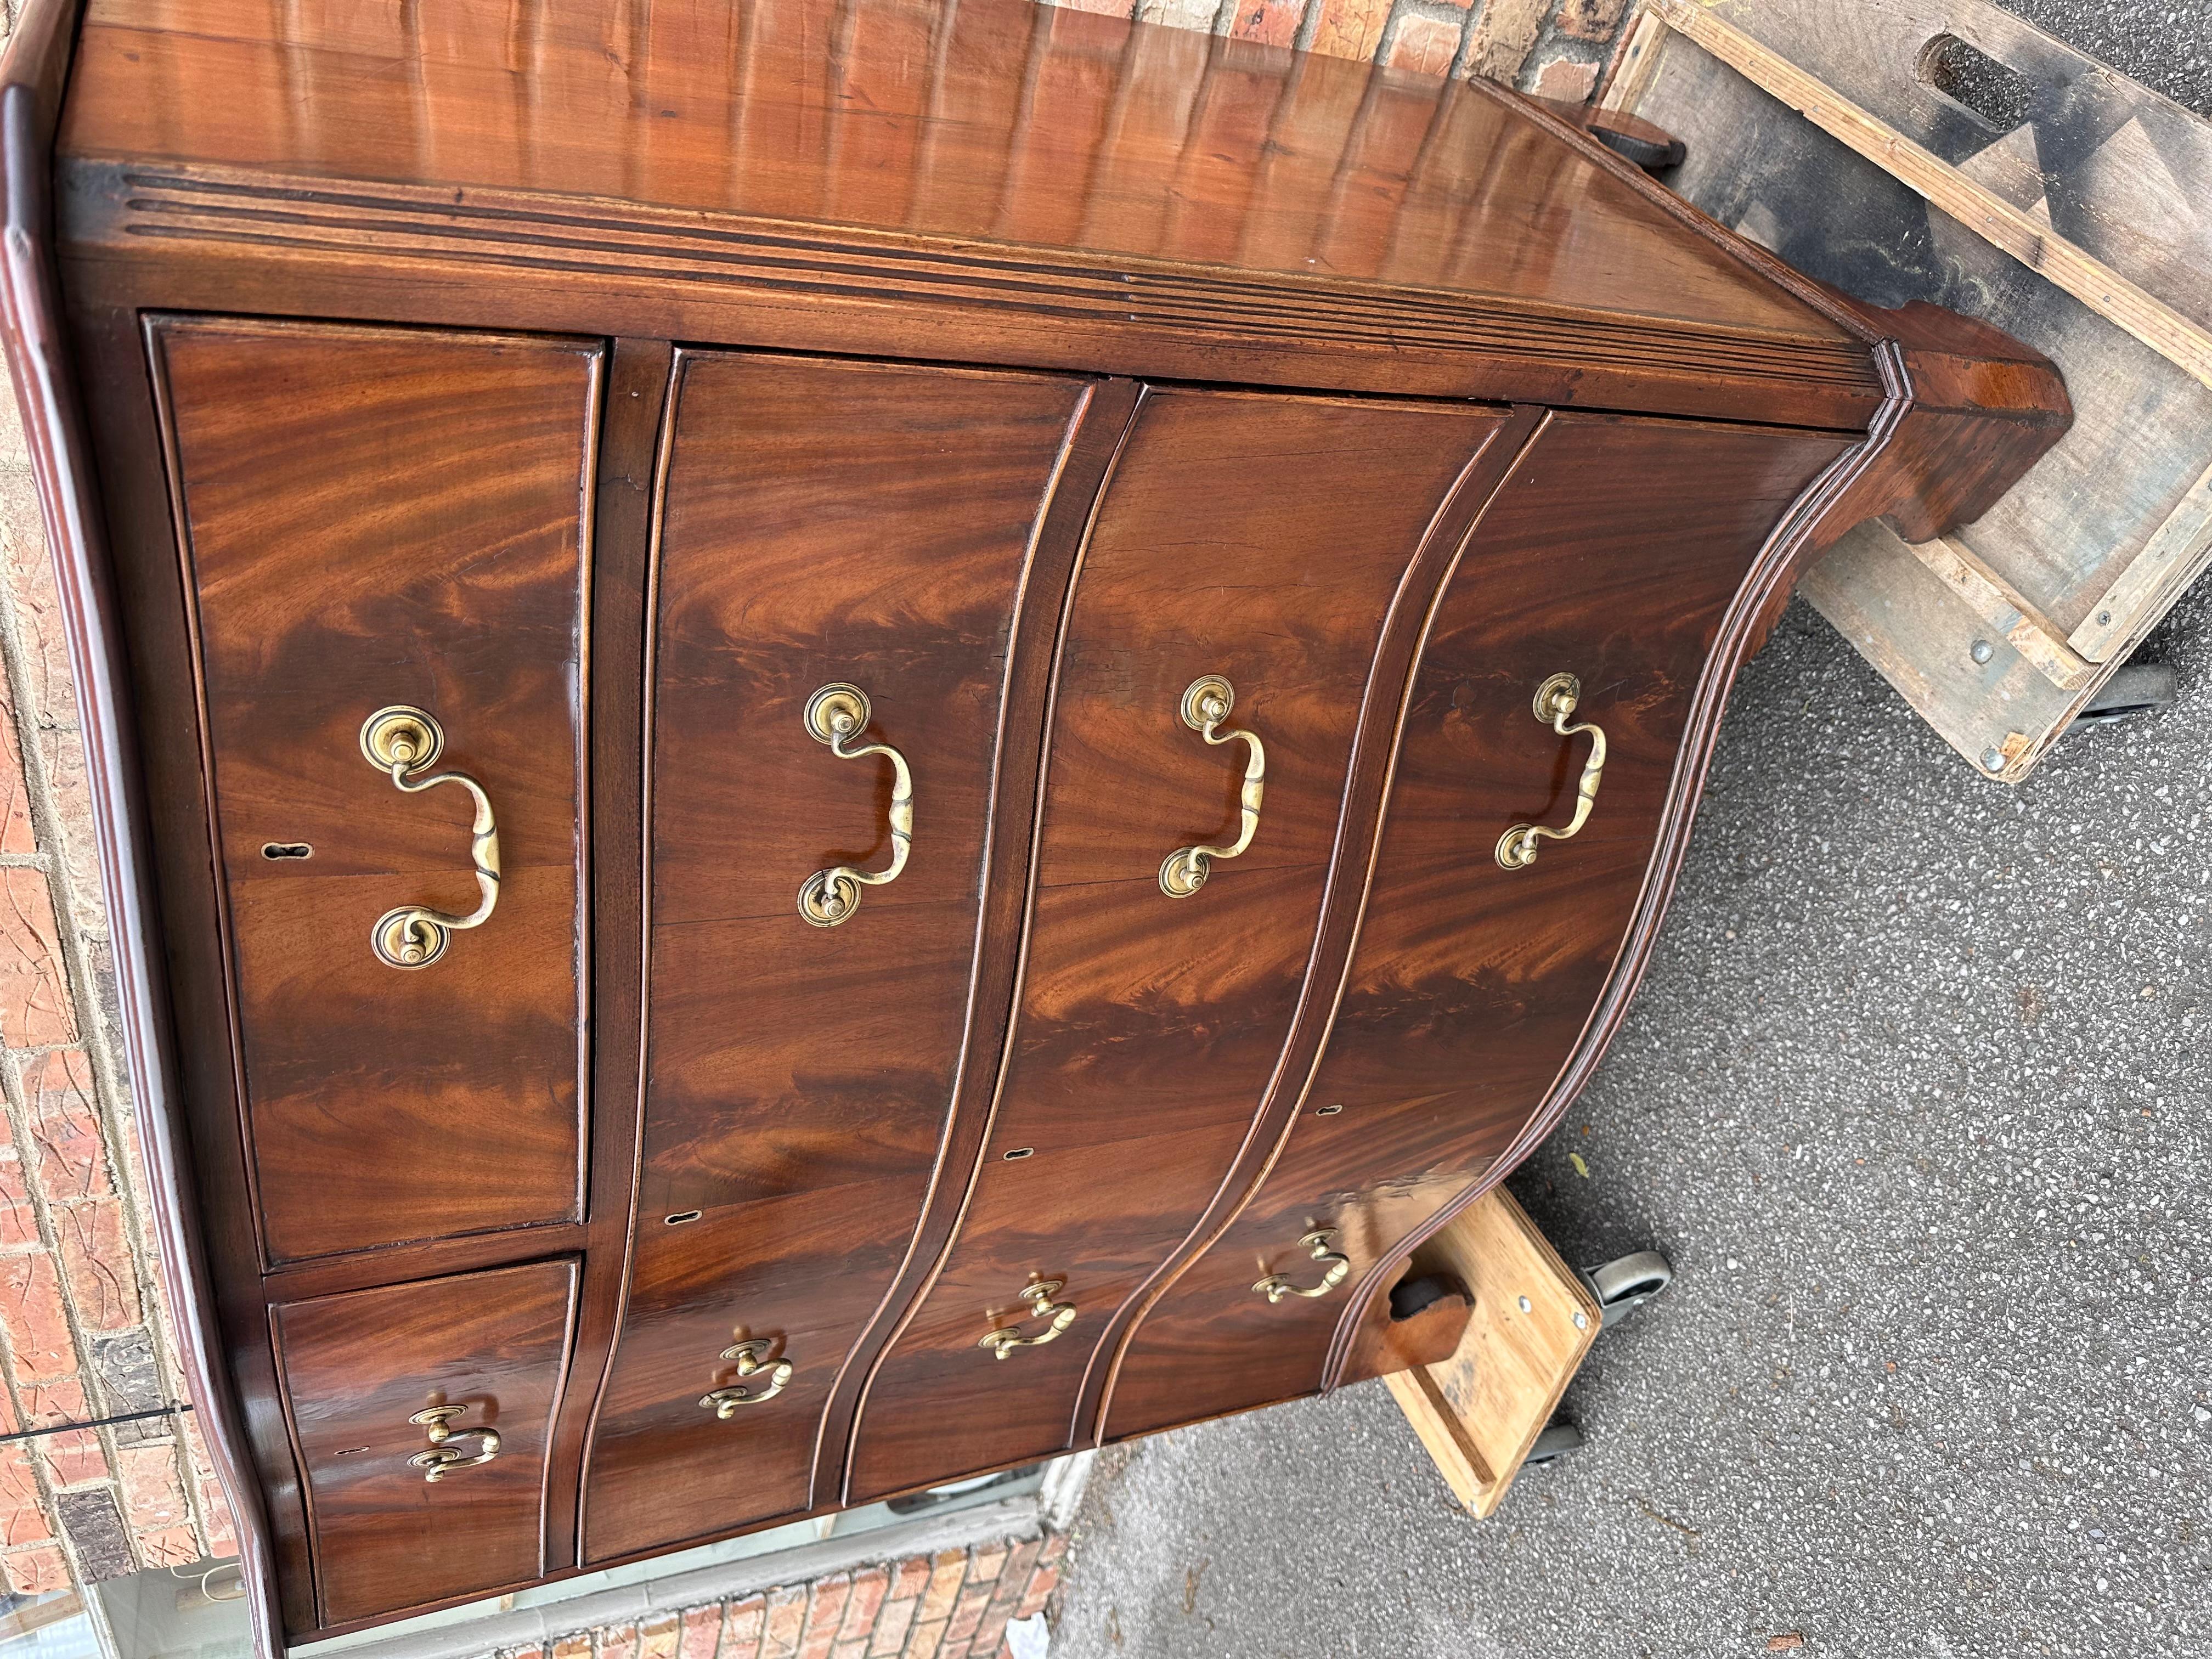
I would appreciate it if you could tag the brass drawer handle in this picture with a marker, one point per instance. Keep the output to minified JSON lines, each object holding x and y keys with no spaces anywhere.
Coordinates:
{"x":835,"y":715}
{"x":1555,"y":703}
{"x":1206,"y":701}
{"x":441,"y":1459}
{"x":1275,"y":1287}
{"x":751,"y":1359}
{"x":1059,"y":1315}
{"x":405,"y":743}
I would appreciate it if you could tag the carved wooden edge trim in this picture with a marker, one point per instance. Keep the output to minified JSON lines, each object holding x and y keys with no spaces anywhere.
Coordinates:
{"x":32,"y":77}
{"x":1481,"y":346}
{"x":1980,"y":453}
{"x":1097,"y":437}
{"x":1368,"y":774}
{"x":638,"y":412}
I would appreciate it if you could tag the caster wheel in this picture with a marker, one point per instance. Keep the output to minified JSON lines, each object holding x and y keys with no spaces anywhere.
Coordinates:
{"x":2141,"y":688}
{"x":1622,"y":1286}
{"x":1555,"y":1442}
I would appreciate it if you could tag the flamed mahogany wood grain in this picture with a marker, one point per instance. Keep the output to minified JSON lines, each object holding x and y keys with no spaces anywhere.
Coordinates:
{"x":1028,"y":192}
{"x":320,"y":594}
{"x":1218,"y":549}
{"x":355,"y":1367}
{"x":1612,"y":552}
{"x":791,"y":1068}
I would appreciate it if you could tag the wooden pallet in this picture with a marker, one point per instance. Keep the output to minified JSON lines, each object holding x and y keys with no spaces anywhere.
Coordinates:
{"x":1823,"y":128}
{"x":1480,"y":1411}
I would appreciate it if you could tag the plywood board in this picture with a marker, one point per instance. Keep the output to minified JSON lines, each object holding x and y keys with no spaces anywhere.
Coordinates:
{"x":1479,"y":1412}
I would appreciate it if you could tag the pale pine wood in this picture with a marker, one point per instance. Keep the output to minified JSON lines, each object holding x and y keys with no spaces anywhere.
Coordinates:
{"x":1478,"y":1413}
{"x":2103,"y":289}
{"x":1997,"y":602}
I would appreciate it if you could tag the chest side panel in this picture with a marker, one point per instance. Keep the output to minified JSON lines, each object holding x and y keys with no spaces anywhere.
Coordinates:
{"x":1610,"y":553}
{"x":371,"y":519}
{"x":823,"y":523}
{"x":1256,"y":538}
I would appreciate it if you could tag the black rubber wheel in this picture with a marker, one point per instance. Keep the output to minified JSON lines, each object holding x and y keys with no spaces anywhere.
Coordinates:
{"x":2139,"y":688}
{"x":1555,"y":1442}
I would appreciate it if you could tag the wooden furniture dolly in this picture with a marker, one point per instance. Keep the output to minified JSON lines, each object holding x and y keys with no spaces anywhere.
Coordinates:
{"x":841,"y":742}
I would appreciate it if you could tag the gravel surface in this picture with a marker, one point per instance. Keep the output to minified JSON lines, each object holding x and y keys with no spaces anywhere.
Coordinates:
{"x":2166,"y":45}
{"x":1915,"y":1100}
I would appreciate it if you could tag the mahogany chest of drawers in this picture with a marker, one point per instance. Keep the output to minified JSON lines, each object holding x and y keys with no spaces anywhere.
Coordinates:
{"x":845,"y":741}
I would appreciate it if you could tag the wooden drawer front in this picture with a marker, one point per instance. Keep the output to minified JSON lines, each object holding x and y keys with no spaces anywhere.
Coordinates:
{"x":357,"y":1366}
{"x":376,"y":517}
{"x":823,"y":521}
{"x":1611,"y":552}
{"x":1258,"y":538}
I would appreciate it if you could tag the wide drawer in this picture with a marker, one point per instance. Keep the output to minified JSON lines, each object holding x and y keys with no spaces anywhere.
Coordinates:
{"x":421,"y":1414}
{"x":372,"y":519}
{"x":1610,"y":553}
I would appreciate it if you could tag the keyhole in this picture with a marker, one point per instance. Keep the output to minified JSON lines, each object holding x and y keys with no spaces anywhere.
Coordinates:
{"x":286,"y":849}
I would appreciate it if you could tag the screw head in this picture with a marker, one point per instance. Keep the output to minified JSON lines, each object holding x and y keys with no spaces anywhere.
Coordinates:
{"x":1983,"y":651}
{"x":1582,"y":1320}
{"x":1525,"y":1304}
{"x":1993,"y":760}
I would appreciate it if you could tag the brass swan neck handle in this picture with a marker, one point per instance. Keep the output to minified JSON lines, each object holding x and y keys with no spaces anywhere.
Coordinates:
{"x":1058,"y":1316}
{"x":836,"y":714}
{"x":1316,"y":1244}
{"x":750,"y":1359}
{"x":440,"y":1458}
{"x":1206,"y":701}
{"x":405,"y":742}
{"x":1554,"y":705}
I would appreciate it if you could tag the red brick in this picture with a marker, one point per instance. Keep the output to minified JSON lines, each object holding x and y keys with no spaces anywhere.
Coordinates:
{"x":1569,"y":82}
{"x":57,"y":1087}
{"x":1503,"y":34}
{"x":742,"y":1622}
{"x":910,"y":1577}
{"x":578,"y":1646}
{"x":1055,"y":1547}
{"x":1179,"y":14}
{"x":1042,"y":1582}
{"x":74,"y":1458}
{"x":103,"y":1278}
{"x":22,"y":1516}
{"x":61,"y":1401}
{"x":862,"y":1603}
{"x":1275,"y":23}
{"x":30,"y":573}
{"x":984,"y":1562}
{"x":1107,"y":8}
{"x":620,"y":1643}
{"x":994,"y":1626}
{"x":172,"y":1547}
{"x":1591,"y":20}
{"x":968,"y":1614}
{"x":39,"y":1570}
{"x":31,"y":1316}
{"x":19,"y":1223}
{"x":34,"y":1004}
{"x":1424,"y":46}
{"x":891,"y":1625}
{"x":16,"y":833}
{"x":855,"y":1649}
{"x":659,"y":1639}
{"x":221,"y":1533}
{"x":1021,"y":1561}
{"x":153,"y":1488}
{"x":537,"y":1652}
{"x":702,"y":1632}
{"x":825,"y":1607}
{"x":786,"y":1624}
{"x":926,"y":1642}
{"x":1350,"y":28}
{"x":948,"y":1570}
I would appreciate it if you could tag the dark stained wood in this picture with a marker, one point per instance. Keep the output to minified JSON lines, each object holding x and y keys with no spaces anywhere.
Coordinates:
{"x":801,"y":1074}
{"x":1611,"y":552}
{"x":994,"y":173}
{"x":355,"y":1367}
{"x":460,"y":593}
{"x":1219,"y":549}
{"x":996,"y":186}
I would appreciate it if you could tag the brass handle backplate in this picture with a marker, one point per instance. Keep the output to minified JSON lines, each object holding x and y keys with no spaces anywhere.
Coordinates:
{"x":1058,"y":1316}
{"x":751,"y":1359}
{"x":1554,"y":706}
{"x":1206,"y":701}
{"x":443,"y":1457}
{"x":1275,"y":1287}
{"x":836,"y":714}
{"x":406,"y":743}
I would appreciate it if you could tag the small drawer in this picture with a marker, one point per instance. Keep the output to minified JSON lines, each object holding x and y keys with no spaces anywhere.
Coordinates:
{"x":421,"y":1414}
